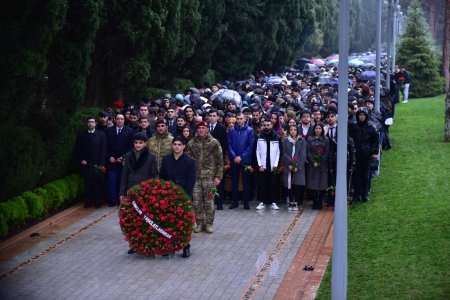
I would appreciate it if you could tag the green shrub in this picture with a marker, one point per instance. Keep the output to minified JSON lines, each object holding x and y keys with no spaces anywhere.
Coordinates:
{"x":155,"y":93}
{"x":23,"y":160}
{"x":35,"y":204}
{"x":3,"y":226}
{"x":209,"y":77}
{"x":46,"y":199}
{"x":178,"y":85}
{"x":56,"y":195}
{"x":73,"y":185}
{"x":15,"y":211}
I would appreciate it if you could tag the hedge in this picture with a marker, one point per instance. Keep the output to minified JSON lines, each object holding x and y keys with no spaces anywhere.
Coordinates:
{"x":24,"y":159}
{"x":32,"y":205}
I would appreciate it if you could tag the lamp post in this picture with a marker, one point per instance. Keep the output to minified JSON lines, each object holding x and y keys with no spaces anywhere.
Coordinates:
{"x":388,"y":45}
{"x":378,"y":41}
{"x":339,"y":268}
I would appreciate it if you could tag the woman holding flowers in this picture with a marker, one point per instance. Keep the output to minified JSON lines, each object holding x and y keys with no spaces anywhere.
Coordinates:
{"x":317,"y":148}
{"x":294,"y":157}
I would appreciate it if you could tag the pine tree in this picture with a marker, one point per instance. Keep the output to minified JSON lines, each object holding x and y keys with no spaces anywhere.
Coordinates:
{"x":416,"y":54}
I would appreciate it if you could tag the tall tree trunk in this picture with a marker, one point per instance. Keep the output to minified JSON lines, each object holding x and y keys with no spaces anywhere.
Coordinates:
{"x":447,"y":117}
{"x":446,"y":66}
{"x":446,"y":46}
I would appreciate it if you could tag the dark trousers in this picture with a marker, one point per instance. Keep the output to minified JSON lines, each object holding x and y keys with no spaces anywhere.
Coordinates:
{"x":267,"y":187}
{"x":317,"y":198}
{"x":92,"y":188}
{"x":361,"y":178}
{"x":237,"y":169}
{"x":114,"y":178}
{"x":296,"y":194}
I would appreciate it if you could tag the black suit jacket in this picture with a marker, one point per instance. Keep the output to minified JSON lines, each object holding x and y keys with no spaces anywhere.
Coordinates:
{"x":181,"y":171}
{"x":220,"y":134}
{"x":118,"y":145}
{"x":91,"y":147}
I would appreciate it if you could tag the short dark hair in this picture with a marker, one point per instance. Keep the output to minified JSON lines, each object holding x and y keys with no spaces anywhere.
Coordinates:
{"x":178,"y":139}
{"x":90,"y":117}
{"x":213,"y":110}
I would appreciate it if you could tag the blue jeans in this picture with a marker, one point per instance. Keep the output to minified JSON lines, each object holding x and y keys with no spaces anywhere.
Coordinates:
{"x":114,"y":178}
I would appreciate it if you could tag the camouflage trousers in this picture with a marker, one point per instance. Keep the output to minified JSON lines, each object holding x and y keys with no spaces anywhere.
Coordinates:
{"x":203,"y":206}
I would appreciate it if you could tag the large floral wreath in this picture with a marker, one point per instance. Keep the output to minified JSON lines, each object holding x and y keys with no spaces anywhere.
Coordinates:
{"x":156,"y":218}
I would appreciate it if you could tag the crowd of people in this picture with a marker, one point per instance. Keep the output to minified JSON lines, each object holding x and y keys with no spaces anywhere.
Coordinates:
{"x":275,"y":143}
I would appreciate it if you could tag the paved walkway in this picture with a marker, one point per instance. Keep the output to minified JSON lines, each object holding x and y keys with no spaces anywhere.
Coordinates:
{"x":248,"y":256}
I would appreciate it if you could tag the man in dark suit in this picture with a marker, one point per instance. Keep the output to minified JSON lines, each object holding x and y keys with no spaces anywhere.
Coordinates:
{"x":219,"y":132}
{"x":120,"y":141}
{"x":91,"y":154}
{"x":181,"y":169}
{"x":171,"y":118}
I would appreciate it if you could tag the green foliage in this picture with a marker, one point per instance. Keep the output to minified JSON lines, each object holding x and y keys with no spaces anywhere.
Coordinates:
{"x":15,"y":211}
{"x":209,"y":77}
{"x":35,"y":204}
{"x":75,"y":186}
{"x":63,"y":147}
{"x":3,"y":225}
{"x":207,"y":39}
{"x":70,"y":57}
{"x":23,"y":160}
{"x":28,"y":29}
{"x":46,"y":199}
{"x":178,"y":85}
{"x":400,"y":239}
{"x":56,"y":194}
{"x":154,"y":93}
{"x":415,"y":52}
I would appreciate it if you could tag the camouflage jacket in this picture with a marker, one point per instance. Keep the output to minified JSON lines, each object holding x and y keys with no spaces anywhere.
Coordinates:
{"x":208,"y":155}
{"x":160,"y":145}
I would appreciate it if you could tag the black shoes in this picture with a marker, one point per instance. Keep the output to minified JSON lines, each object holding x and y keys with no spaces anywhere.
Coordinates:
{"x":246,"y":206}
{"x":131,"y":251}
{"x":186,"y":251}
{"x":234,"y":205}
{"x":219,"y":206}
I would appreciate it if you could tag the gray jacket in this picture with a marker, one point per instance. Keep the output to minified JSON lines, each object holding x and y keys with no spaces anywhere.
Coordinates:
{"x":300,"y":154}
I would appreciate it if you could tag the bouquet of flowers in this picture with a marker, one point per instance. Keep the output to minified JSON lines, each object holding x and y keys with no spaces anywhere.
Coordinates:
{"x":100,"y":169}
{"x":278,"y":170}
{"x":156,"y":218}
{"x":248,"y":168}
{"x":213,"y":193}
{"x":293,"y":164}
{"x":319,"y":154}
{"x":331,"y":190}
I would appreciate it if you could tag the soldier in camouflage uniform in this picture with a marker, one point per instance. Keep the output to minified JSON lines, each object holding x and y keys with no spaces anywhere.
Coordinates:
{"x":207,"y":152}
{"x":161,"y":143}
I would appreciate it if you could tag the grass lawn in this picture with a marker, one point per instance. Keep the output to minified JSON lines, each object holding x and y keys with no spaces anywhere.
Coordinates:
{"x":399,"y":241}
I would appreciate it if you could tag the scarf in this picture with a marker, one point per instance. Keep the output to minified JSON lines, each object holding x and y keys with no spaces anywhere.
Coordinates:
{"x":137,"y":159}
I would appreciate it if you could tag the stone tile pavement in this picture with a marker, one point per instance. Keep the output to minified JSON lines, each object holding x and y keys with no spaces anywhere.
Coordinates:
{"x":247,"y":256}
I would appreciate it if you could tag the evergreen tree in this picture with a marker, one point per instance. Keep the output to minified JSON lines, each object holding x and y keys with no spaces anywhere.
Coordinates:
{"x":207,"y":39}
{"x":27,"y":32}
{"x":415,"y":52}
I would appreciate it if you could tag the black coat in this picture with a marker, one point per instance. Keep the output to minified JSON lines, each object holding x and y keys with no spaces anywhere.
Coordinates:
{"x":365,"y":138}
{"x":118,"y":145}
{"x":91,"y":147}
{"x":181,"y":171}
{"x":136,"y":171}
{"x":220,"y":134}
